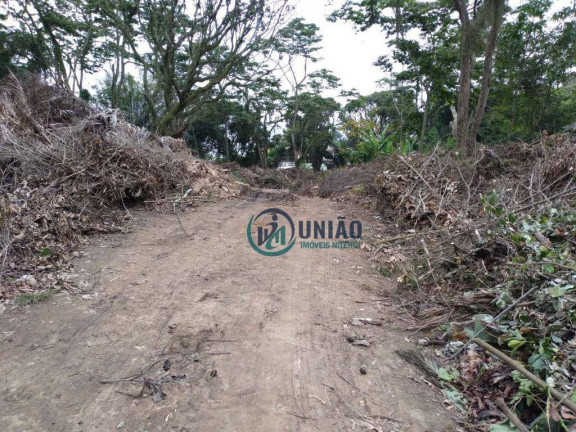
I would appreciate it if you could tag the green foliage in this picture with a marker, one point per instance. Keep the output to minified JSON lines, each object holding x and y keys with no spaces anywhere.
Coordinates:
{"x":128,"y":96}
{"x":533,"y":83}
{"x":234,"y":79}
{"x":298,"y":38}
{"x":448,"y":375}
{"x":46,"y":252}
{"x":182,"y":53}
{"x":310,"y":119}
{"x":21,"y":51}
{"x":390,"y":109}
{"x":423,"y":39}
{"x":492,"y":205}
{"x":373,"y":145}
{"x":532,"y":86}
{"x":541,"y":257}
{"x":527,"y":262}
{"x":457,"y":399}
{"x":27,"y":299}
{"x":226,"y":130}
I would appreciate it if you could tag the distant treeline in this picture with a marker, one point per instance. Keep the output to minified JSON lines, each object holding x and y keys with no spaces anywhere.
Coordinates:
{"x":239,"y":81}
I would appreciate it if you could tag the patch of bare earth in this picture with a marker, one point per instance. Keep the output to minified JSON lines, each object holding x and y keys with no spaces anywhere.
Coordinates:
{"x":253,"y":343}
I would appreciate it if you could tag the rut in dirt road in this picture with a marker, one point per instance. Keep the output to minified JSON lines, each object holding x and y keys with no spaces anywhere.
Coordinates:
{"x":254,"y":343}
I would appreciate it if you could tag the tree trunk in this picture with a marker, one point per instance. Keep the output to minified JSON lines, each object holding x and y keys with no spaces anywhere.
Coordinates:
{"x":292,"y":133}
{"x":259,"y":147}
{"x":454,"y":122}
{"x":486,"y":79}
{"x":466,"y":59}
{"x":424,"y":120}
{"x":59,"y":65}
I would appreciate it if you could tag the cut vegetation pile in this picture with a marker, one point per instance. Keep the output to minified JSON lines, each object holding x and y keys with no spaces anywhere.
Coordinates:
{"x":487,"y":249}
{"x":66,"y":170}
{"x":300,"y":181}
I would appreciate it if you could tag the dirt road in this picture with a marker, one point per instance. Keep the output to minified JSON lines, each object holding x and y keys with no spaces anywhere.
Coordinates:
{"x":254,"y":343}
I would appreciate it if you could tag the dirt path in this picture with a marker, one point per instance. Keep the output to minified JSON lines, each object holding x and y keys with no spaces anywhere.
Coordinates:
{"x":262,"y":341}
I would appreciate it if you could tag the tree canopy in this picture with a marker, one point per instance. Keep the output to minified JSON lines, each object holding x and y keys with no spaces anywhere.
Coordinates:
{"x":241,"y":80}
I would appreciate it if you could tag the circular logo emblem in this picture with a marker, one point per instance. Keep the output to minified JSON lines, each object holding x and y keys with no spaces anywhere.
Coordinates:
{"x":271,"y":232}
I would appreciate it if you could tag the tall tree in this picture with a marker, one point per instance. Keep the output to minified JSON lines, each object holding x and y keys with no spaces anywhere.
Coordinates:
{"x":116,"y":48}
{"x":20,"y":50}
{"x":188,"y":49}
{"x":485,"y":14}
{"x":267,"y":101}
{"x":68,"y":32}
{"x":421,"y":35}
{"x":533,"y":74}
{"x":296,"y":46}
{"x":314,"y":129}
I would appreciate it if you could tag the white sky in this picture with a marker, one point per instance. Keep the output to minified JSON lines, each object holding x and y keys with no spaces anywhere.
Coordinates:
{"x":348,"y":54}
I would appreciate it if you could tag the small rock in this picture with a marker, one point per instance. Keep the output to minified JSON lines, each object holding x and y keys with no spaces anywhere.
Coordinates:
{"x":361,"y":342}
{"x":424,"y":342}
{"x":363,"y":370}
{"x":23,"y":280}
{"x":87,"y":297}
{"x":167,"y":365}
{"x":356,"y":322}
{"x":178,"y":377}
{"x":2,"y":308}
{"x":213,"y":373}
{"x":356,"y":340}
{"x":120,"y":425}
{"x":159,"y":396}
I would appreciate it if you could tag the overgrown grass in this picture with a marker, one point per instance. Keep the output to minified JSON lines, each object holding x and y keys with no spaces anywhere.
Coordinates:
{"x":27,"y":299}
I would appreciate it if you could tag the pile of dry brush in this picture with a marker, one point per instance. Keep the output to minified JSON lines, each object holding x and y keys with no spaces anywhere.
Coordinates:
{"x":299,"y":181}
{"x":66,"y":170}
{"x":487,"y":248}
{"x":448,"y":211}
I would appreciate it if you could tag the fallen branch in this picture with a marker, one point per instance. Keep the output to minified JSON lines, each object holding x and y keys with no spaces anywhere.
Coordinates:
{"x":176,"y":200}
{"x":497,"y":319}
{"x":180,"y":220}
{"x":434,"y":191}
{"x":564,"y":194}
{"x":520,"y":368}
{"x":510,"y":414}
{"x":408,"y":236}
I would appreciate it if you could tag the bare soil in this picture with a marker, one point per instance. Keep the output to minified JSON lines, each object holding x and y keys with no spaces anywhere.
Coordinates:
{"x":255,"y":343}
{"x":339,"y":181}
